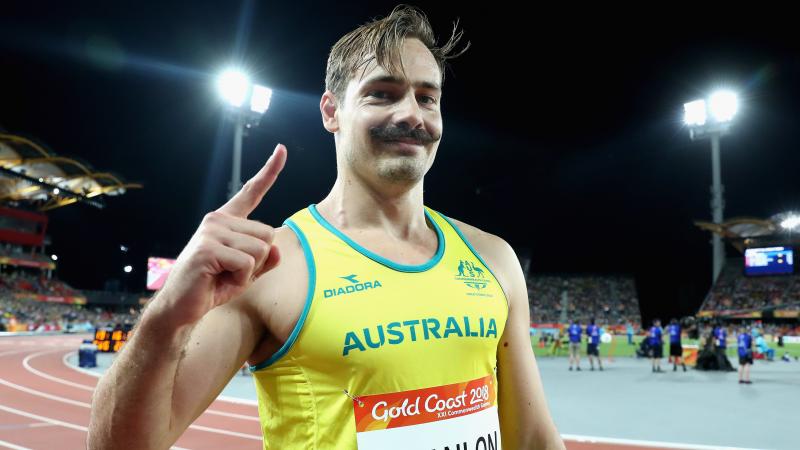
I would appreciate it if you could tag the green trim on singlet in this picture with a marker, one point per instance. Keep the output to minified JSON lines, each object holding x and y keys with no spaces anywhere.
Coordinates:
{"x":312,"y":276}
{"x":380,"y":259}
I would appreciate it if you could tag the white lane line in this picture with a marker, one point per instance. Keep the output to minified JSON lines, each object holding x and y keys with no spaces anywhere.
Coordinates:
{"x":234,"y":400}
{"x":25,"y":425}
{"x":26,"y":364}
{"x":54,"y":422}
{"x":44,"y":395}
{"x":675,"y":445}
{"x":78,"y":369}
{"x":43,"y":419}
{"x":89,"y":406}
{"x":238,"y":401}
{"x":233,"y":415}
{"x":12,"y":446}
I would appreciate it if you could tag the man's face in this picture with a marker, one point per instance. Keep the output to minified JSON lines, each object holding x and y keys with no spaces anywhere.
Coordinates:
{"x":390,"y":124}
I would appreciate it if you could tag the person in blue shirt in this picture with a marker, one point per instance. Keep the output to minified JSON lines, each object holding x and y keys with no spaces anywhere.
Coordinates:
{"x":720,"y":345}
{"x":764,"y":349}
{"x":744,"y":342}
{"x":629,"y":332}
{"x":675,"y":347}
{"x":592,"y":342}
{"x":720,"y":337}
{"x":574,"y":332}
{"x":656,"y":345}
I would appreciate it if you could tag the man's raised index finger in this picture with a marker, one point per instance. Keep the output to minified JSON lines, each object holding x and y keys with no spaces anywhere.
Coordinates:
{"x":248,"y":198}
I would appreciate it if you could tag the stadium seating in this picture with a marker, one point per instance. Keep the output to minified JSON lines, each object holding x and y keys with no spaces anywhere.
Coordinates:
{"x":610,"y":299}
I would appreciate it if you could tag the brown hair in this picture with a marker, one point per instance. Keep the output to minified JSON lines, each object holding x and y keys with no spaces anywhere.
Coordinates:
{"x":382,"y":40}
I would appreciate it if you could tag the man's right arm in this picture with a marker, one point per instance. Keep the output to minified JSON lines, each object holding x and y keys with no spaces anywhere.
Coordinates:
{"x":198,"y":330}
{"x":152,"y":393}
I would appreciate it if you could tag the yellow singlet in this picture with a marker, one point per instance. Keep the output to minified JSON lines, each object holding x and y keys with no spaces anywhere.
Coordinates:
{"x":386,"y":355}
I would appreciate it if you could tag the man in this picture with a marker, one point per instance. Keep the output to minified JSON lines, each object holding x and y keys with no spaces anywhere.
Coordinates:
{"x":764,"y":349}
{"x":744,"y":342}
{"x":555,"y":348}
{"x":592,"y":342}
{"x":574,"y":331}
{"x":656,"y":345}
{"x":354,"y":312}
{"x":675,"y":346}
{"x":720,"y":347}
{"x":629,"y":332}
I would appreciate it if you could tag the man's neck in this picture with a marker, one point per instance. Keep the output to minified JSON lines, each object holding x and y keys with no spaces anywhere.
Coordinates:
{"x":353,"y":204}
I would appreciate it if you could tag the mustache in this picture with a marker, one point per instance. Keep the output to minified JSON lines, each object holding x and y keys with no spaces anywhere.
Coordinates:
{"x":395,"y":133}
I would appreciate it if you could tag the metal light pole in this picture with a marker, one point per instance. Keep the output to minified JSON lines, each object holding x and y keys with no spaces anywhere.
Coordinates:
{"x":247,"y":102}
{"x":717,"y":206}
{"x":724,"y":105}
{"x":236,"y":170}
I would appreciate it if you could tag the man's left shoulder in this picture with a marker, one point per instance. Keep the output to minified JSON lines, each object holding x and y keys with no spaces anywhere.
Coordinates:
{"x":495,"y":252}
{"x":491,"y":247}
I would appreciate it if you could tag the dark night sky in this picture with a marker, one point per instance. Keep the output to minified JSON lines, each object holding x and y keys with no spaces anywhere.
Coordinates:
{"x":563,"y":130}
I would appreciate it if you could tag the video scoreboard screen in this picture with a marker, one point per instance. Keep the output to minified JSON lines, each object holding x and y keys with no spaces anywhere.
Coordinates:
{"x":768,"y":261}
{"x":110,"y":339}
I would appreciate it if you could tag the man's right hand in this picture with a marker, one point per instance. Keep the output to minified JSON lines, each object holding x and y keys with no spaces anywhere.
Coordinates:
{"x":226,"y":254}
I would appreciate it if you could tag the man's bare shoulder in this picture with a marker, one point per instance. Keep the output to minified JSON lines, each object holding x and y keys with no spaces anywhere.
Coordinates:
{"x":287,"y":241}
{"x":494,"y":250}
{"x":279,"y":294}
{"x":290,"y":267}
{"x":489,"y":246}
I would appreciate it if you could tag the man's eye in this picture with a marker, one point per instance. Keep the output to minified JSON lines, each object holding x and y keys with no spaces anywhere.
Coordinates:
{"x":427,"y":99}
{"x":378,"y":94}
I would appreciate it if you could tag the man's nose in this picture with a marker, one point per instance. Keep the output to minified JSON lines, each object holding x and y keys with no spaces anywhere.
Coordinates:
{"x":409,"y":113}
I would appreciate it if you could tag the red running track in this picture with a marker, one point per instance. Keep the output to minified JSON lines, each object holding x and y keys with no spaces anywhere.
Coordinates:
{"x":44,"y":404}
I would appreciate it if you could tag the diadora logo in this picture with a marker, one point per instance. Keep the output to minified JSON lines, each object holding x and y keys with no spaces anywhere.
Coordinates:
{"x":472,"y":276}
{"x":354,"y":286}
{"x":351,"y":278}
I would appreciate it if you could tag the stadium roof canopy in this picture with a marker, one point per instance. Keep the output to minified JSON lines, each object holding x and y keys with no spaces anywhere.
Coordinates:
{"x":30,"y":173}
{"x":743,"y":232}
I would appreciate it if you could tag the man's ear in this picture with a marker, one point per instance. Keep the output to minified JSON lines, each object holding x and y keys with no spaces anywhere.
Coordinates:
{"x":328,"y":108}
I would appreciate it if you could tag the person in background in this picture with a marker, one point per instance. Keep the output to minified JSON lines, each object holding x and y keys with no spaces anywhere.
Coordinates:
{"x":763,"y":348}
{"x":675,"y":347}
{"x":629,"y":331}
{"x":745,"y":346}
{"x":574,"y":332}
{"x":592,"y":343}
{"x":555,"y":345}
{"x":656,"y":345}
{"x":720,"y":345}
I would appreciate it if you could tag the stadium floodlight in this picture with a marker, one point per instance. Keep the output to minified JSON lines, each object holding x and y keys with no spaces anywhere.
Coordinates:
{"x":56,"y":191}
{"x":54,"y":257}
{"x":247,"y":102}
{"x":791,"y":222}
{"x":259,"y":102}
{"x":128,"y":269}
{"x":723,"y":105}
{"x":695,"y":112}
{"x":233,"y":86}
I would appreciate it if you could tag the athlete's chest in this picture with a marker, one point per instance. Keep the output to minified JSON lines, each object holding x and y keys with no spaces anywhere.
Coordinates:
{"x":367,"y":313}
{"x":361,"y":310}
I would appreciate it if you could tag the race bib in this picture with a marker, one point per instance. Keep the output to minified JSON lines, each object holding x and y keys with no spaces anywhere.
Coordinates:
{"x":455,"y":416}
